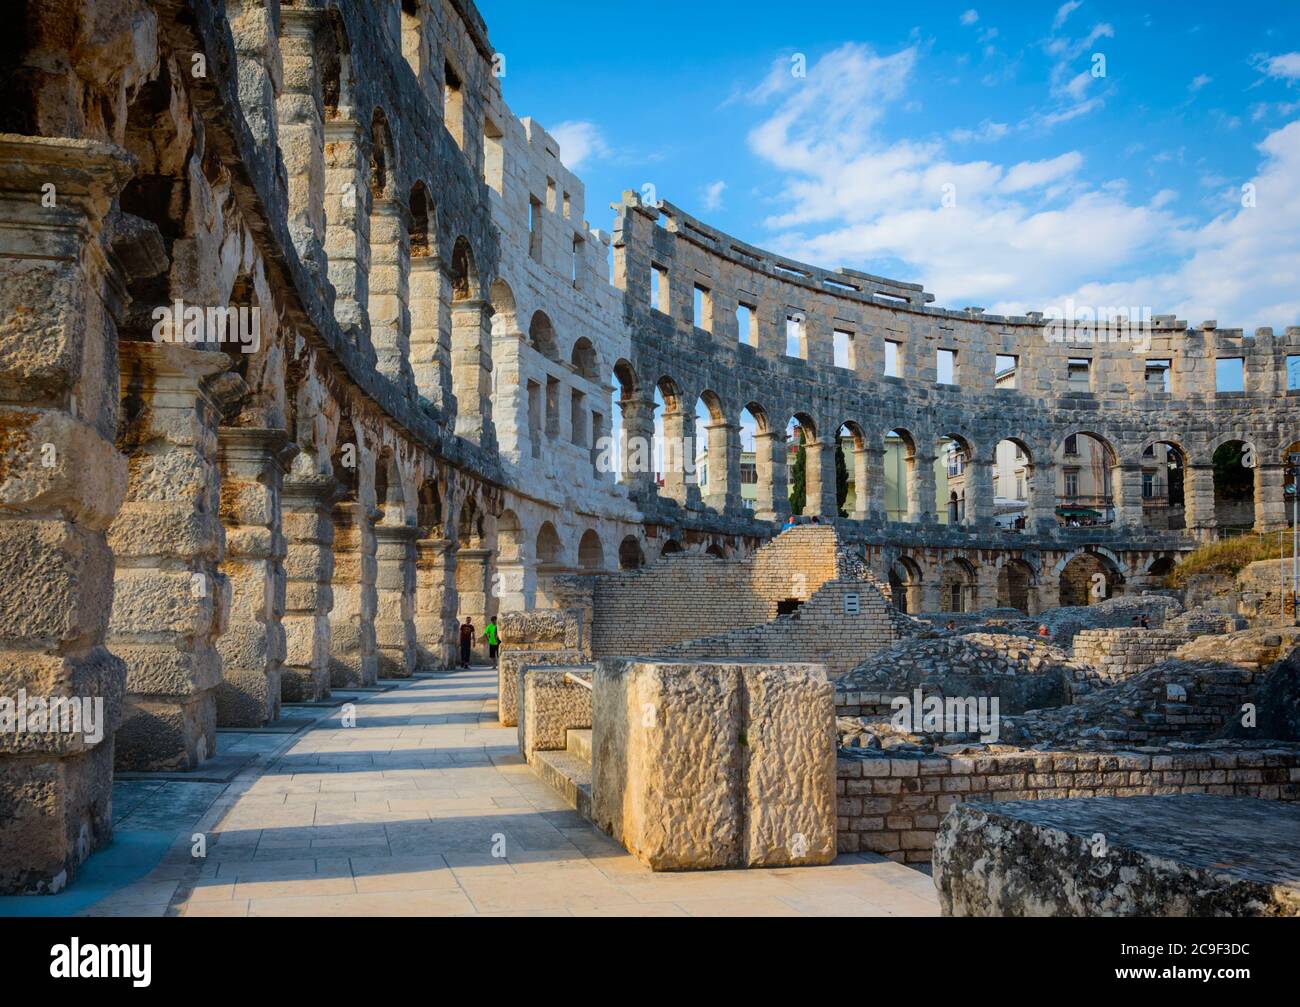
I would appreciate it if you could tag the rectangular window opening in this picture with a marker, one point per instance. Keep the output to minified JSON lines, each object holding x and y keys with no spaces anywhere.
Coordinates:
{"x":843,"y":348}
{"x":747,"y":323}
{"x":946,"y":367}
{"x":1005,"y":366}
{"x":703,"y":308}
{"x":893,"y":358}
{"x":1229,"y":374}
{"x":796,"y":340}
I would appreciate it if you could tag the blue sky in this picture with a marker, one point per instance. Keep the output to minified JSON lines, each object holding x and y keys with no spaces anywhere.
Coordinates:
{"x":1007,"y":155}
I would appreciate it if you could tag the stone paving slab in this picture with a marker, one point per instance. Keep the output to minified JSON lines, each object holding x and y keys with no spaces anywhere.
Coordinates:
{"x":402,"y":814}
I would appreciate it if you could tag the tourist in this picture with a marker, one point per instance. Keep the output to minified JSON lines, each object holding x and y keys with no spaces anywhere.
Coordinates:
{"x":951,"y":626}
{"x":466,"y":640}
{"x":1042,"y":630}
{"x":790,"y":522}
{"x":1145,"y":621}
{"x":493,"y":640}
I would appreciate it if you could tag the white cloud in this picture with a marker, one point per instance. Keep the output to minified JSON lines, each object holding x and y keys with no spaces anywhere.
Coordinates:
{"x":713,"y":195}
{"x":988,"y":132}
{"x":1020,"y":236}
{"x":970,"y":17}
{"x":1064,"y":11}
{"x":1199,"y":81}
{"x":579,"y":141}
{"x":1285,"y":66}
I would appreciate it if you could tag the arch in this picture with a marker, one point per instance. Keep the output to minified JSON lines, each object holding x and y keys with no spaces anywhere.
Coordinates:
{"x":1290,"y":479}
{"x":550,"y":549}
{"x":710,"y":448}
{"x":671,"y":548}
{"x":383,"y":164}
{"x":1013,"y":483}
{"x":334,"y":63}
{"x":1161,"y":566}
{"x":851,"y":474}
{"x":584,"y":360}
{"x":716,"y":551}
{"x":1163,"y":464}
{"x":1087,"y":577}
{"x":800,"y":431}
{"x":464,"y":275}
{"x":428,"y":509}
{"x":388,"y":489}
{"x":504,"y":319}
{"x":421,"y":230}
{"x":758,"y":473}
{"x":1016,"y":580}
{"x":905,"y":584}
{"x":510,"y":537}
{"x":591,"y":553}
{"x":625,"y":375}
{"x":1085,"y":480}
{"x":541,"y":336}
{"x":953,"y":485}
{"x":1234,"y":464}
{"x":469,"y":524}
{"x":630,"y":556}
{"x":957,"y":586}
{"x":899,"y":463}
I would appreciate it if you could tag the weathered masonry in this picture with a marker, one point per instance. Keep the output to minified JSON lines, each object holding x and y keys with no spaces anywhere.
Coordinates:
{"x":308,"y":353}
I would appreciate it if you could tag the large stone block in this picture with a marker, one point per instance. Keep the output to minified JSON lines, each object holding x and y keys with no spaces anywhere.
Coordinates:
{"x":723,"y":764}
{"x":509,"y":665}
{"x":1175,"y":855}
{"x":551,"y":705}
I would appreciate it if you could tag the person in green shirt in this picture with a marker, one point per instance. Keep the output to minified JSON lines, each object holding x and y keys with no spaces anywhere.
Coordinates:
{"x":492,"y":638}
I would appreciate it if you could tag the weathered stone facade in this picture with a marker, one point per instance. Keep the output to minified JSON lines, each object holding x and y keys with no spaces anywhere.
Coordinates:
{"x":309,"y":353}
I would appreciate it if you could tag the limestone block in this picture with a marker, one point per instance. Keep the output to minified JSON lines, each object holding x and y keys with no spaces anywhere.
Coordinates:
{"x":58,"y":581}
{"x":509,"y":665}
{"x":550,"y":706}
{"x":700,"y":765}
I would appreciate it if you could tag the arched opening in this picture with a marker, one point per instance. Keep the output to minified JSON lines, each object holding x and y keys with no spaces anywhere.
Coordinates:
{"x":464,"y":277}
{"x":757,"y":473}
{"x":471,"y":348}
{"x":631,"y":433}
{"x":710,"y":462}
{"x":1089,"y":578}
{"x":541,"y":336}
{"x":1291,"y":483}
{"x":1013,"y":484}
{"x":1161,"y":566}
{"x":957,"y":586}
{"x":419,"y":230}
{"x":584,"y":361}
{"x":591,"y":554}
{"x":334,"y":64}
{"x":382,"y":163}
{"x":673,"y":458}
{"x":800,"y":432}
{"x":1234,"y":486}
{"x":671,"y":548}
{"x":388,"y":490}
{"x":510,"y":537}
{"x":428,"y":510}
{"x":550,"y":550}
{"x":952,"y":479}
{"x":424,"y":301}
{"x":1164,"y":469}
{"x":1015,"y":581}
{"x":1085,"y":465}
{"x":901,"y":503}
{"x":716,"y":551}
{"x":851,"y":487}
{"x":630,"y":556}
{"x":905,"y":585}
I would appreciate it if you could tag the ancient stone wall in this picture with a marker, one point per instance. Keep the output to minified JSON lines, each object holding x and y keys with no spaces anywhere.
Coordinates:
{"x":1120,"y":653}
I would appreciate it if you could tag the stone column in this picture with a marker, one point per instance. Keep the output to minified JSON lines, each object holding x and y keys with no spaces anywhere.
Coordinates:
{"x":61,"y":482}
{"x":395,"y":589}
{"x":347,"y":251}
{"x":471,"y":370}
{"x":860,"y":461}
{"x":773,"y":494}
{"x":1198,"y":500}
{"x":676,"y":447}
{"x":170,"y":597}
{"x":1270,"y":497}
{"x":723,"y":491}
{"x":920,"y":500}
{"x":389,"y":262}
{"x":980,"y":510}
{"x":875,"y":488}
{"x":353,"y":661}
{"x":637,"y":447}
{"x":1042,"y":497}
{"x":302,"y":134}
{"x":430,"y":341}
{"x":252,"y":648}
{"x":819,"y":479}
{"x":1126,"y":489}
{"x":309,"y":567}
{"x":435,"y":603}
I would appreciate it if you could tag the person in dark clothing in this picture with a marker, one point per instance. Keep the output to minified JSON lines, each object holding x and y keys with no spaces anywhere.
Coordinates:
{"x":466,"y":640}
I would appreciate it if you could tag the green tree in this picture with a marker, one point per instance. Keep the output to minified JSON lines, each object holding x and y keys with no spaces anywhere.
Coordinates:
{"x":841,"y":479}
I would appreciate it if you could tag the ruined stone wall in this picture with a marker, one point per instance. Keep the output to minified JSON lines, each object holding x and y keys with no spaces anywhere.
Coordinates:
{"x":1120,"y":653}
{"x":893,"y":805}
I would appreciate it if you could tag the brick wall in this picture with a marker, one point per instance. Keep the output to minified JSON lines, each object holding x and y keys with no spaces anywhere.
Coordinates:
{"x":691,"y":595}
{"x":893,"y":806}
{"x":1118,"y":653}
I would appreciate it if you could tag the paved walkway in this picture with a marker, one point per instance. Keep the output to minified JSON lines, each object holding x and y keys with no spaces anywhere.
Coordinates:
{"x":402,"y":815}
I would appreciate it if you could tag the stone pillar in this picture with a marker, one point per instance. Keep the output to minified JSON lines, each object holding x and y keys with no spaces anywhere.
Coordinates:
{"x":1270,"y":497}
{"x":395,"y":607}
{"x":1042,"y":497}
{"x":773,"y":502}
{"x":170,"y":598}
{"x":859,"y":461}
{"x":874,"y":491}
{"x":353,"y":661}
{"x":252,"y":648}
{"x":1198,"y":500}
{"x":819,"y":479}
{"x":258,"y":75}
{"x":677,"y":447}
{"x":302,"y":134}
{"x":389,"y":323}
{"x":61,"y":482}
{"x":920,"y":500}
{"x":309,"y":567}
{"x":347,"y":251}
{"x":723,"y":490}
{"x":980,"y":493}
{"x":471,"y":370}
{"x":435,"y":603}
{"x":430,"y":342}
{"x":637,"y":447}
{"x":472,"y":593}
{"x":1126,"y":483}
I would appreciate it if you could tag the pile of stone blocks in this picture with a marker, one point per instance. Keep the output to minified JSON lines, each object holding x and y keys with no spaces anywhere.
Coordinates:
{"x":1179,"y":855}
{"x":721,"y":764}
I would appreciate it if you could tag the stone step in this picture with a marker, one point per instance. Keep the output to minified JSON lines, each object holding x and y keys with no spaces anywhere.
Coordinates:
{"x":568,"y":775}
{"x":578,"y":742}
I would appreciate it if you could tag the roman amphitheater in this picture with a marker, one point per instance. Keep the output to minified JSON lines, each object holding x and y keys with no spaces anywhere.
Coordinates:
{"x":310,"y":352}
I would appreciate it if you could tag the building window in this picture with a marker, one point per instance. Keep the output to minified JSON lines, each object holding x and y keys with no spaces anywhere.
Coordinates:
{"x":1157,"y":375}
{"x":453,"y":105}
{"x":1072,"y":484}
{"x":494,"y":157}
{"x":576,"y":260}
{"x":843,"y":348}
{"x":659,"y":288}
{"x":1229,"y":374}
{"x":893,"y":359}
{"x":1005,"y":366}
{"x":946,"y":367}
{"x":703,"y":308}
{"x":1079,"y":374}
{"x":747,"y":323}
{"x":796,"y":338}
{"x":535,"y":228}
{"x":1148,"y":485}
{"x":1072,"y":445}
{"x":1293,"y":373}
